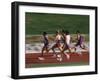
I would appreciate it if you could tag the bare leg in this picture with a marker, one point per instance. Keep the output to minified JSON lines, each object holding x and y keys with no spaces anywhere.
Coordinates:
{"x":83,"y":47}
{"x":53,"y":51}
{"x":69,"y":50}
{"x":64,"y":48}
{"x":41,"y":57}
{"x":47,"y":50}
{"x":43,"y":49}
{"x":66,"y":55}
{"x":62,"y":54}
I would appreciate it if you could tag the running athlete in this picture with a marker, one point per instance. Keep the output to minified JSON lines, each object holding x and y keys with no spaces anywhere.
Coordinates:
{"x":46,"y":44}
{"x":67,"y":39}
{"x":80,"y":41}
{"x":58,"y":43}
{"x":63,"y":38}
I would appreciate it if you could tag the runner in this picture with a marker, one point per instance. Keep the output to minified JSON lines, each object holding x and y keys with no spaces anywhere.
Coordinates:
{"x":57,"y":43}
{"x":80,"y":41}
{"x":67,"y":39}
{"x":46,"y":44}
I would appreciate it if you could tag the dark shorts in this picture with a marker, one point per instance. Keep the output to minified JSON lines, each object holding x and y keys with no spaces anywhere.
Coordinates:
{"x":78,"y":43}
{"x":66,"y":46}
{"x":46,"y":44}
{"x":56,"y":45}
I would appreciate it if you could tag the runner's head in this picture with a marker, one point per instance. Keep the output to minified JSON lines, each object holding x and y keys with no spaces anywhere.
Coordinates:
{"x":77,"y":32}
{"x":44,"y":33}
{"x":63,"y":31}
{"x":67,"y":32}
{"x":57,"y":32}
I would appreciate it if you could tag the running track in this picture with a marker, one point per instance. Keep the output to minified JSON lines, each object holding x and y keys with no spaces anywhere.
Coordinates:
{"x":32,"y":58}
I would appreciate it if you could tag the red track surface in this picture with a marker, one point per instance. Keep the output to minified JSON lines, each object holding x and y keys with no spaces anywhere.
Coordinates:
{"x":32,"y":58}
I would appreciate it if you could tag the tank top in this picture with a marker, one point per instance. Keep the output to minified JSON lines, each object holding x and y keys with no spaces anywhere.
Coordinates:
{"x":67,"y":38}
{"x":45,"y":39}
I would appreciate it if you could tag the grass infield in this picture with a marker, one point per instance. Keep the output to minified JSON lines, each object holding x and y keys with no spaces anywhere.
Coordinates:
{"x":37,"y":23}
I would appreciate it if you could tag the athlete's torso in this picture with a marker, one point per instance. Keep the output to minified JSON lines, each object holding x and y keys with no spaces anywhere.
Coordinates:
{"x":67,"y":39}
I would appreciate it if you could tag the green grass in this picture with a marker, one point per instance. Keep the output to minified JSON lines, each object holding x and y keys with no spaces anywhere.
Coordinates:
{"x":56,"y":64}
{"x":36,"y":23}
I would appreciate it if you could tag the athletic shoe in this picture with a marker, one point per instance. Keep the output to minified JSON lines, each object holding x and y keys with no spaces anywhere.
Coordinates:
{"x":68,"y":56}
{"x":41,"y":58}
{"x":59,"y":59}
